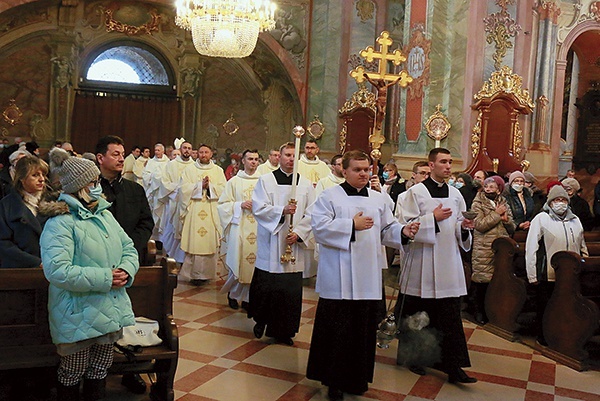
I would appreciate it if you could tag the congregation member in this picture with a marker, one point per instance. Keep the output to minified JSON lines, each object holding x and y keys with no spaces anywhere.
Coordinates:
{"x":464,"y":184}
{"x":88,"y":260}
{"x":561,"y":230}
{"x":478,"y":179}
{"x":7,"y":174}
{"x":391,"y":182}
{"x":335,"y":177}
{"x":21,"y":222}
{"x":239,"y":231}
{"x":538,"y":195}
{"x":130,"y":208}
{"x":129,"y":161}
{"x":434,"y":279}
{"x":271,"y":164}
{"x":167,"y":195}
{"x":577,"y":204}
{"x":519,"y":200}
{"x":196,"y":220}
{"x":152,"y":179}
{"x":494,"y":220}
{"x":310,"y":166}
{"x":350,"y":223}
{"x":276,"y":289}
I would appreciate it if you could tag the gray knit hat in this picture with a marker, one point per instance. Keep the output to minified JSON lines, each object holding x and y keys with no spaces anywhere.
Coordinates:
{"x":74,"y":172}
{"x":556,"y":191}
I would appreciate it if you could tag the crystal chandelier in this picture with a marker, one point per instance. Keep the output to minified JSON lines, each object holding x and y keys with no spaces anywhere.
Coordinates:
{"x":225,"y":28}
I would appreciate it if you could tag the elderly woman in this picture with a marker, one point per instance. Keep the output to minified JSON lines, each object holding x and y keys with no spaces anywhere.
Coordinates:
{"x":89,"y":261}
{"x":561,"y":230}
{"x":520,"y":201}
{"x":494,"y":220}
{"x":578,"y":205}
{"x":20,"y":221}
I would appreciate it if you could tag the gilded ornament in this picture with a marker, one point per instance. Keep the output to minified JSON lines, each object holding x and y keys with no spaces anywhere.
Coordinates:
{"x":12,"y":114}
{"x":476,"y":136}
{"x":251,"y":258}
{"x":500,"y":27}
{"x":230,"y":126}
{"x":437,"y":125}
{"x":315,"y":128}
{"x":505,"y":81}
{"x":202,"y":214}
{"x":362,"y":98}
{"x":365,"y":9}
{"x":202,"y":231}
{"x":342,"y":136}
{"x":517,"y":140}
{"x":117,"y":26}
{"x":251,"y":238}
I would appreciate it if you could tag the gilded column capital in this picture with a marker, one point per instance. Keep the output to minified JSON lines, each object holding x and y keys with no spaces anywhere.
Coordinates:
{"x":548,"y":10}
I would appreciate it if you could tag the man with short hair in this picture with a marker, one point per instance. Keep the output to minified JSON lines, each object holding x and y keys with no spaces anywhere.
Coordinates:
{"x":151,"y":180}
{"x":196,"y":219}
{"x":420,"y":173}
{"x":130,"y":208}
{"x":271,"y":164}
{"x":335,"y":177}
{"x":129,"y":161}
{"x":168,"y":194}
{"x":276,"y":289}
{"x":239,"y":230}
{"x":350,"y":223}
{"x":140,"y":164}
{"x":310,"y":166}
{"x":433,"y":279}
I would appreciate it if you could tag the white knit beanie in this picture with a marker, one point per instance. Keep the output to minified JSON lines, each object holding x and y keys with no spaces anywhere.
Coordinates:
{"x":74,"y":172}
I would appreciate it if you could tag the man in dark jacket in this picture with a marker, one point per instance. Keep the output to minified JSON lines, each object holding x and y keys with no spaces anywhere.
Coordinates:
{"x":130,"y":208}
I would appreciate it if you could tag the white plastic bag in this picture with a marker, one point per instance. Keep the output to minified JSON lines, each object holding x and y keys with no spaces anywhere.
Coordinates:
{"x":144,"y":333}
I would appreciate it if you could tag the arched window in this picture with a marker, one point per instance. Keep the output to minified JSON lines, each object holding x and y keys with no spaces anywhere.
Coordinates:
{"x":127,"y":67}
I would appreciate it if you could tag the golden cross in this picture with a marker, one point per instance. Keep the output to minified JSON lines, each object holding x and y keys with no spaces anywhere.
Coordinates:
{"x":396,"y":57}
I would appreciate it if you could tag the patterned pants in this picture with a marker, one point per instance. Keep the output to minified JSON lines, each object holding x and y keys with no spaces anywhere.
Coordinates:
{"x":92,"y":362}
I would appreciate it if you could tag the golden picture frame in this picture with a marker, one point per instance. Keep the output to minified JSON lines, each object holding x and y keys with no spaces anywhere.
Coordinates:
{"x":230,"y":126}
{"x":315,"y":128}
{"x":12,"y":114}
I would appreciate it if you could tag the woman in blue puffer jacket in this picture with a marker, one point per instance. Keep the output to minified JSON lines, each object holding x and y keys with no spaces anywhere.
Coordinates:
{"x":89,"y":261}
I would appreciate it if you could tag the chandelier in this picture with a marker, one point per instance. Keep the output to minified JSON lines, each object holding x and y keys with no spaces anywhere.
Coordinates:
{"x":225,"y":28}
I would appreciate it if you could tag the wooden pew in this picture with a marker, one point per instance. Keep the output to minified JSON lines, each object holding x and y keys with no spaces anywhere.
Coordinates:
{"x":506,"y":292}
{"x":570,"y":319}
{"x":25,"y":340}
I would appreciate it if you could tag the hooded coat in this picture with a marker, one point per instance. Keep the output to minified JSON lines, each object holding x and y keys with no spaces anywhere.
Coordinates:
{"x":80,"y":248}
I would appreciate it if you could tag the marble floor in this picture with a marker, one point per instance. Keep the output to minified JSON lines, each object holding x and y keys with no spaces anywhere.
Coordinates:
{"x":221,"y":360}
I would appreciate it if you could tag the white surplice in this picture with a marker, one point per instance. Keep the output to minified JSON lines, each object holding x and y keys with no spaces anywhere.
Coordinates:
{"x":348,"y":269}
{"x":433,"y":266}
{"x":268,"y":201}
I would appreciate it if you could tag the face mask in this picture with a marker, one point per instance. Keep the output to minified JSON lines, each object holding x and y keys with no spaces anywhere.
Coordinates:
{"x":451,"y":182}
{"x":477,"y":183}
{"x":517,"y":187}
{"x":490,"y":195}
{"x":95,"y":192}
{"x":559,"y":207}
{"x":385,"y":175}
{"x":459,"y":184}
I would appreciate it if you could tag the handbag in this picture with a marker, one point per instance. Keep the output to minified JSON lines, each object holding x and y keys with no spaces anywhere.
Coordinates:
{"x":144,"y":333}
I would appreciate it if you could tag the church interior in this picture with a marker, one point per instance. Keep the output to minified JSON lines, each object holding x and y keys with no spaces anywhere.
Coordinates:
{"x":505,"y":85}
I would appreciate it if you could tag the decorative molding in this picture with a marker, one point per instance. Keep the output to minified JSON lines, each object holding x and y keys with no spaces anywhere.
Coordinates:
{"x":288,"y":35}
{"x":190,"y":80}
{"x":365,"y":9}
{"x":549,"y":10}
{"x":541,"y":117}
{"x":12,"y":114}
{"x":113,"y":24}
{"x":63,"y":71}
{"x":418,"y":62}
{"x":343,"y":134}
{"x":505,"y":81}
{"x":517,"y":144}
{"x":564,"y":30}
{"x":476,"y":136}
{"x":360,"y":98}
{"x":500,"y":27}
{"x":40,"y":127}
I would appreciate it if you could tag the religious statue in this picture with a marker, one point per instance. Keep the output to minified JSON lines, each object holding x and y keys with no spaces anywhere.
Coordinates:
{"x":382,"y":87}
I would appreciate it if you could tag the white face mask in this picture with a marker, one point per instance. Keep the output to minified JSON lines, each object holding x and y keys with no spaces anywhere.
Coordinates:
{"x":559,"y":207}
{"x":459,"y":184}
{"x":517,"y":187}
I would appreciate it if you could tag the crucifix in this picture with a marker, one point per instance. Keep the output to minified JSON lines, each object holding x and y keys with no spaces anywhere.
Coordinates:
{"x":381,"y":80}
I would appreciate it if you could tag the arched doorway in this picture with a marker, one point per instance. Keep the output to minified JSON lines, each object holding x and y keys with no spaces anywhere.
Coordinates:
{"x":125,"y":88}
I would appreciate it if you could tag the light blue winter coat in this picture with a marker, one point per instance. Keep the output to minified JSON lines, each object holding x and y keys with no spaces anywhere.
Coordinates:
{"x":79,"y":249}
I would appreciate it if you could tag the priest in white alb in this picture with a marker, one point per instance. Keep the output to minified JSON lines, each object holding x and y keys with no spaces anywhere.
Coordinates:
{"x":310,"y":166}
{"x":168,"y":193}
{"x":335,"y":177}
{"x":151,"y":181}
{"x":433,"y":279}
{"x":276,"y":289}
{"x":271,"y":164}
{"x":350,"y":223}
{"x":140,"y":164}
{"x":197,"y":219}
{"x":129,"y":161}
{"x":239,"y":230}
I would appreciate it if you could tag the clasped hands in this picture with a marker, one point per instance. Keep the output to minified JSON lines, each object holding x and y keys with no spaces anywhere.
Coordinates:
{"x":119,"y":277}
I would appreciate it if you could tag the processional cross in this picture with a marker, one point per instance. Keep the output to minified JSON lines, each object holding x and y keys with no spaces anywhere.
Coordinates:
{"x":381,"y":80}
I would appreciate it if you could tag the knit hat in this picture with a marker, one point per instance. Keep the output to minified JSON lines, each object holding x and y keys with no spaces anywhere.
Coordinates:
{"x":556,"y":191}
{"x":552,"y":184}
{"x":514,"y":175}
{"x":74,"y":172}
{"x":572,"y":183}
{"x":498,"y":180}
{"x":529,"y":177}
